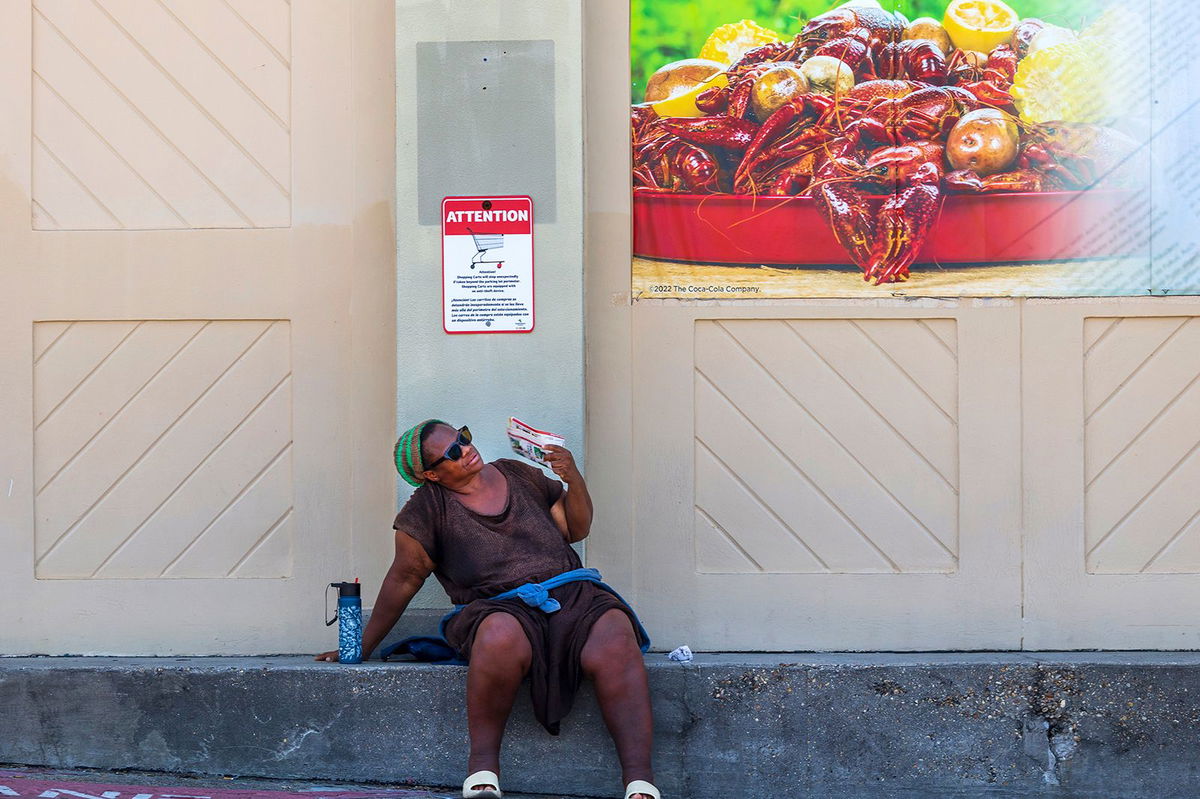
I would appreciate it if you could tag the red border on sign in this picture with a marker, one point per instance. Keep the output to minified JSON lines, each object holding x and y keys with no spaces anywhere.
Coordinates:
{"x":532,"y":260}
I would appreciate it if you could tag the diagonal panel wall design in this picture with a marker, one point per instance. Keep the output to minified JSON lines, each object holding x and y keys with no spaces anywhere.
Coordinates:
{"x":1142,"y":444}
{"x":826,"y":445}
{"x":153,"y":114}
{"x":163,"y":449}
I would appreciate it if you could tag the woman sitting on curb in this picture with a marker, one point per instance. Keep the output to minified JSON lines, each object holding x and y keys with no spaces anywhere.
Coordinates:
{"x":503,"y":528}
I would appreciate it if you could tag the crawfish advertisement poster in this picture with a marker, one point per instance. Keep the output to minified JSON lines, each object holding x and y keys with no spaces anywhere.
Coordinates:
{"x":801,"y":148}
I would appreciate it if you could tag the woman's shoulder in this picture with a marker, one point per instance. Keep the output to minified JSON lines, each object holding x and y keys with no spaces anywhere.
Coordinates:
{"x":422,"y":507}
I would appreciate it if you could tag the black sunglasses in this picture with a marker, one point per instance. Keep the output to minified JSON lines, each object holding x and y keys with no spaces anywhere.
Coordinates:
{"x":455,"y":450}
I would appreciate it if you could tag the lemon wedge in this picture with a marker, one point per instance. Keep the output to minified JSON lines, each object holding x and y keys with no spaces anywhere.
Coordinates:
{"x":683,"y":102}
{"x":730,"y":42}
{"x":979,"y":24}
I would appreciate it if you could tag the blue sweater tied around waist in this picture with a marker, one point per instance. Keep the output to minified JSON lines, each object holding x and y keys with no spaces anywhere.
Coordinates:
{"x":435,"y":648}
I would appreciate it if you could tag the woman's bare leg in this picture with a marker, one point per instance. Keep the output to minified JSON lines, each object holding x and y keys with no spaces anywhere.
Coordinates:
{"x":500,"y":658}
{"x":612,"y":659}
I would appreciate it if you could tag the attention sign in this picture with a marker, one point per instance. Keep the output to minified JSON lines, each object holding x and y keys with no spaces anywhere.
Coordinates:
{"x":487,"y":264}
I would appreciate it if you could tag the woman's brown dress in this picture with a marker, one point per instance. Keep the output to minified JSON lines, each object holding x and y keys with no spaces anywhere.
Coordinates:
{"x":478,"y":556}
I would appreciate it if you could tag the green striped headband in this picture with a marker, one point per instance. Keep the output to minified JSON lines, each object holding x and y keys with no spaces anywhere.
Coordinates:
{"x":410,"y":462}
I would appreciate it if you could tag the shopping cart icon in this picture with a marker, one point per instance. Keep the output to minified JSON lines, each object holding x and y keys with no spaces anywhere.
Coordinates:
{"x":483,"y":243}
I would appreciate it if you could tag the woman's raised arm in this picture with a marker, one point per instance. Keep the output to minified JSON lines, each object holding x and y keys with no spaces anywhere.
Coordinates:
{"x":573,"y":511}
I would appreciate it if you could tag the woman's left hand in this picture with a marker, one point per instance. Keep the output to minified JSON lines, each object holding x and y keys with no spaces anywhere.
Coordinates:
{"x":562,"y":463}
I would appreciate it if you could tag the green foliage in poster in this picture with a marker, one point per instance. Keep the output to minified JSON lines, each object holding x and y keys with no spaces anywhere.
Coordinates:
{"x":662,"y":31}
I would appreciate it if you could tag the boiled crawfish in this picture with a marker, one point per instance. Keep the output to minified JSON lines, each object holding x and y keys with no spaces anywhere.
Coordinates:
{"x":689,"y":154}
{"x":895,"y":147}
{"x":870,"y":41}
{"x":990,"y":81}
{"x":784,"y":150}
{"x":882,"y":138}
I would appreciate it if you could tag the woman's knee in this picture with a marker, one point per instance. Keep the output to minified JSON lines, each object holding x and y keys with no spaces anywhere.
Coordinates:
{"x":611,"y":644}
{"x":500,"y":635}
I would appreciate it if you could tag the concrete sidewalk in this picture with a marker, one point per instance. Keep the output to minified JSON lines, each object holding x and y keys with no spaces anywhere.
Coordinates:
{"x":1111,"y":725}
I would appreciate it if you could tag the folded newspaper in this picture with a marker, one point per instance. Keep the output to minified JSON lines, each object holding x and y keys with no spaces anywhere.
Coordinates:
{"x":529,"y":442}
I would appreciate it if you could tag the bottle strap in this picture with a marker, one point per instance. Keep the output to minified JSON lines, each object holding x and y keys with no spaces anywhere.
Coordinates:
{"x":329,"y":621}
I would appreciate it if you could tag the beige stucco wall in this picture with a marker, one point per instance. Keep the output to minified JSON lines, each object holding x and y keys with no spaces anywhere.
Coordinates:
{"x":1054,"y":479}
{"x":198,"y":320}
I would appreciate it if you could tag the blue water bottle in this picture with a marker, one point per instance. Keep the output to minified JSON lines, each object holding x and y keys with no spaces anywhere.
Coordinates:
{"x":349,"y":619}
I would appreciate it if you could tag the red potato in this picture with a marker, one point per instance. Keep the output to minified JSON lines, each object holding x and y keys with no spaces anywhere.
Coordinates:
{"x":985,"y":140}
{"x":932,"y":30}
{"x":679,"y":75}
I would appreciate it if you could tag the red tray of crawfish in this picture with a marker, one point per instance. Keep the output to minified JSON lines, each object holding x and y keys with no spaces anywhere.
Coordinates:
{"x":972,"y":228}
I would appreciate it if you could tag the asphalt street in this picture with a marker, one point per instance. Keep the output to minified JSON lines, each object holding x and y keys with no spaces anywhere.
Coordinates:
{"x":38,"y":783}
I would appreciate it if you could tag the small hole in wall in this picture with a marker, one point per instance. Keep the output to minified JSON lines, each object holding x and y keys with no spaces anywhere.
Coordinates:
{"x":485,"y":88}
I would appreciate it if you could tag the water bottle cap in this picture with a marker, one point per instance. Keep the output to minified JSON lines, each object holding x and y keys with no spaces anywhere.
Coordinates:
{"x":348,"y":589}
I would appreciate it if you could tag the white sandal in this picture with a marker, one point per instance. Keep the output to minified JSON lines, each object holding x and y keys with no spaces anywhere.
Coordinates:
{"x":642,"y":787}
{"x":482,"y":778}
